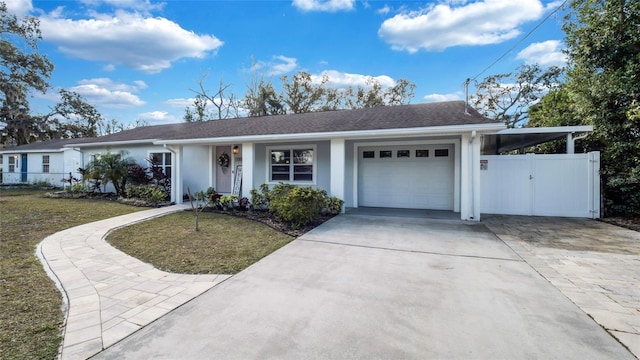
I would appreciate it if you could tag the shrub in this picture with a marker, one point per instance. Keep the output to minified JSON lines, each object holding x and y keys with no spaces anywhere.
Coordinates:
{"x":259,"y":199}
{"x":137,"y":175}
{"x":333,"y":205}
{"x":298,"y":206}
{"x":150,"y":193}
{"x":228,"y":200}
{"x":79,"y":188}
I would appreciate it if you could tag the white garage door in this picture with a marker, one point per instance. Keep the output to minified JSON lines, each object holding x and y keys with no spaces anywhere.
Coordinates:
{"x":413,"y":177}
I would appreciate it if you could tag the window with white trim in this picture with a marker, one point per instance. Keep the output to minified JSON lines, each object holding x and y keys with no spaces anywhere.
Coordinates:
{"x":163,"y":161}
{"x":292,"y":164}
{"x":13,"y":163}
{"x":45,"y":163}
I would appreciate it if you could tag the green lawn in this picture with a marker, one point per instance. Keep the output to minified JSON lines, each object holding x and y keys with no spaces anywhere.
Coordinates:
{"x":30,"y":304}
{"x":224,"y":245}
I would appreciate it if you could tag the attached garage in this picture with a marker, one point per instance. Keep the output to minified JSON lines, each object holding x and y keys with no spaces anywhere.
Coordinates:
{"x":407,"y":176}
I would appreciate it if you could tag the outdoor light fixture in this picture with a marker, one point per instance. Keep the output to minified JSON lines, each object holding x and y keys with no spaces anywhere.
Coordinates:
{"x":235,"y":149}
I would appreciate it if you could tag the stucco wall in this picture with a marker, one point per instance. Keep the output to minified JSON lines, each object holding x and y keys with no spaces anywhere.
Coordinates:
{"x":196,"y":168}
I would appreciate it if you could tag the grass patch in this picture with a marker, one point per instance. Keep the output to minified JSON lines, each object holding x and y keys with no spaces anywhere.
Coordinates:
{"x":30,"y":304}
{"x":224,"y":245}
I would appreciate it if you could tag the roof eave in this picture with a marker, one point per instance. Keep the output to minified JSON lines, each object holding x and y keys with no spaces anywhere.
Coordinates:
{"x":358,"y":134}
{"x":113,"y":143}
{"x":547,"y":130}
{"x":19,"y":151}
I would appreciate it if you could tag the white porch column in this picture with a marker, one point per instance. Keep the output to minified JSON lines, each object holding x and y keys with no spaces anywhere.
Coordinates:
{"x":465,"y":178}
{"x":176,"y":174}
{"x":475,"y":176}
{"x":338,"y":162}
{"x":248,"y":164}
{"x":470,"y":177}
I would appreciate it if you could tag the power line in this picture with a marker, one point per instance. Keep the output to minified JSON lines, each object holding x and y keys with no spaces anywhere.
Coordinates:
{"x":519,"y":41}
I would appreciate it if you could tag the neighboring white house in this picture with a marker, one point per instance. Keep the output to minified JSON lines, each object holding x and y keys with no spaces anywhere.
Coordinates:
{"x":424,"y":156}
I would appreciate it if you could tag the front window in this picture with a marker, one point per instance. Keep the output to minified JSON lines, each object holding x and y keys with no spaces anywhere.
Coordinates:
{"x":13,"y":163}
{"x":162,"y":161}
{"x":45,"y":163}
{"x":292,"y":164}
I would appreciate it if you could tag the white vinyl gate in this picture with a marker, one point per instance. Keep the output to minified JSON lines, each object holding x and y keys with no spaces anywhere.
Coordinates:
{"x":545,"y":185}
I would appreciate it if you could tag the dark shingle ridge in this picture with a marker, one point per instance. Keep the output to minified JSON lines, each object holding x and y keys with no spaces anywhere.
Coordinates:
{"x":449,"y":113}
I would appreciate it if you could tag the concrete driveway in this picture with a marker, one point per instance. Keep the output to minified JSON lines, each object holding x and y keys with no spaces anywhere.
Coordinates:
{"x":373,"y":287}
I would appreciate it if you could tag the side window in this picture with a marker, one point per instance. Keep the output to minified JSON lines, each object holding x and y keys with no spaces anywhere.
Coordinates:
{"x":45,"y":163}
{"x":13,"y":163}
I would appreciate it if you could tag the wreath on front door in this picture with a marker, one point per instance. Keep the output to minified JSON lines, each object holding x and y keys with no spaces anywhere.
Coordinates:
{"x":223,"y":160}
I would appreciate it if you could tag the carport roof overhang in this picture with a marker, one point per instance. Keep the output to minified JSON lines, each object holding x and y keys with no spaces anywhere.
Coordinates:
{"x":361,"y":134}
{"x":515,"y":139}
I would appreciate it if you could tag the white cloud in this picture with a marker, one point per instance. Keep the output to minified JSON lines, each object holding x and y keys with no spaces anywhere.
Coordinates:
{"x":285,"y":65}
{"x":142,"y":43}
{"x":278,"y":66}
{"x":324,"y":5}
{"x":443,"y":97}
{"x":103,"y":92}
{"x":157,"y":117}
{"x":180,"y":102}
{"x":111,"y":85}
{"x":384,"y":10}
{"x":546,"y":53}
{"x":343,"y":80}
{"x":139,"y":5}
{"x":440,"y":26}
{"x":19,"y":7}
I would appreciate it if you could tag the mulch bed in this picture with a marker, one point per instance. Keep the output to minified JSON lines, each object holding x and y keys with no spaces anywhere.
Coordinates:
{"x":270,"y":220}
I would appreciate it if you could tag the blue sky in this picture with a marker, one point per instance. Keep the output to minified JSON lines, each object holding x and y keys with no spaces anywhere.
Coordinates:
{"x":138,"y":59}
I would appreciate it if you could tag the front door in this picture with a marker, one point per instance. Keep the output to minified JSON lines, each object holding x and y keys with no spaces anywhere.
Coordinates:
{"x":223,"y":173}
{"x":23,"y":168}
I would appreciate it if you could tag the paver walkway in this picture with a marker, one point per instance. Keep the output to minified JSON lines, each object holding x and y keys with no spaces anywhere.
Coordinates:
{"x":594,"y":264}
{"x":109,"y":294}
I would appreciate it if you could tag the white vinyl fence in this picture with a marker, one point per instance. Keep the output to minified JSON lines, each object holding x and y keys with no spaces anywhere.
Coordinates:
{"x":545,"y":185}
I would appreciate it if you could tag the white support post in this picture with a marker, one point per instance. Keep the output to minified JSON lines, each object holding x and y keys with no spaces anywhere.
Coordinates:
{"x":475,"y":177}
{"x":176,"y":174}
{"x":465,"y":178}
{"x":338,"y":162}
{"x":248,"y":163}
{"x":570,"y":144}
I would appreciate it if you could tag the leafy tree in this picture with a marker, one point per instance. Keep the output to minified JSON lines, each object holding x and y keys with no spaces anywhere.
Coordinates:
{"x":22,"y":69}
{"x":556,"y":108}
{"x":261,"y":99}
{"x":507,"y":97}
{"x":79,"y":118}
{"x":301,"y":94}
{"x":199,"y":111}
{"x":110,"y":167}
{"x":603,"y":45}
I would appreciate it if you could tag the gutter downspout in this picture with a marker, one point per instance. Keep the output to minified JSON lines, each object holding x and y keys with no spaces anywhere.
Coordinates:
{"x":571,"y":141}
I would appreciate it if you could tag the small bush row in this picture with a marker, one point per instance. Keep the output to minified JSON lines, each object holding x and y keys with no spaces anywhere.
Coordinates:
{"x":150,"y":193}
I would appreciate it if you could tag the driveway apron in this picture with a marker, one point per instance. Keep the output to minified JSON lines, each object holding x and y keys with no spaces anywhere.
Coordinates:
{"x":374,"y":287}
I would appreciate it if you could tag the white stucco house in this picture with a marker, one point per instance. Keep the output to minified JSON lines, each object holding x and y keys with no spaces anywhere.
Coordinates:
{"x":423,"y":156}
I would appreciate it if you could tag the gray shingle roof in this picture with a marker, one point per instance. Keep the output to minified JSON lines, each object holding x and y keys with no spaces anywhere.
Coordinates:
{"x":378,"y":118}
{"x":55,"y":144}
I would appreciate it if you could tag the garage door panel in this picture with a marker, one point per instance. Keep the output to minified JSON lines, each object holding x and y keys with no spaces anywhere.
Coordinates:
{"x":406,"y":182}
